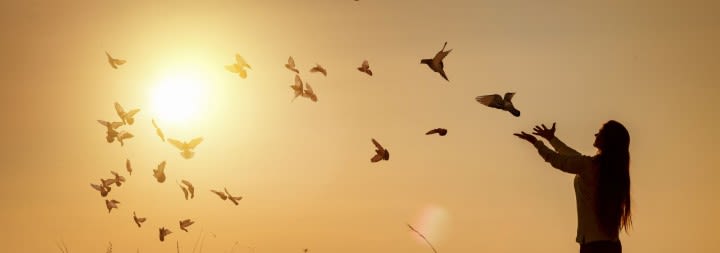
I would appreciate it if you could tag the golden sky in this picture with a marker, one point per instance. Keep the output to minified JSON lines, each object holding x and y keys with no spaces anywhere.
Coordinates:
{"x":303,"y":168}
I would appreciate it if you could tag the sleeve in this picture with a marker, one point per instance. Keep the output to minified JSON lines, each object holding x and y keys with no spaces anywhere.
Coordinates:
{"x":561,"y":148}
{"x":570,"y":163}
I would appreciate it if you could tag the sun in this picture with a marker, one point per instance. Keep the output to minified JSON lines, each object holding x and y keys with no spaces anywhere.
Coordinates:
{"x":179,"y":98}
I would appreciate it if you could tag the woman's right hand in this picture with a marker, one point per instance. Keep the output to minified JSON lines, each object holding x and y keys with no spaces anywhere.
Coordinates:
{"x":544,"y":132}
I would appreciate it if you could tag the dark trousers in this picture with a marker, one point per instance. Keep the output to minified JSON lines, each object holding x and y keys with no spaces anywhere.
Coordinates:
{"x":601,"y":247}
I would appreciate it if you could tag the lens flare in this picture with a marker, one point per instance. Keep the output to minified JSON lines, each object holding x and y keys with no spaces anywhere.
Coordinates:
{"x":431,"y":221}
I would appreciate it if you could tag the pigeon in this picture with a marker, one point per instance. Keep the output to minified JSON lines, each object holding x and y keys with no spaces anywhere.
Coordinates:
{"x":158,"y":131}
{"x":436,"y":63}
{"x":128,"y":166}
{"x":380,"y":153}
{"x":127,"y":117}
{"x":439,"y":131}
{"x":221,"y":194}
{"x":114,"y":62}
{"x":186,"y":147}
{"x":495,"y":101}
{"x":190,"y":188}
{"x":291,"y":65}
{"x":122,"y":136}
{"x":104,"y":190}
{"x":231,"y":198}
{"x":159,"y":173}
{"x":297,"y":87}
{"x":239,"y":66}
{"x":318,"y":68}
{"x":185,"y":223}
{"x":309,"y":93}
{"x":164,"y":232}
{"x":138,"y":220}
{"x":118,"y":179}
{"x":110,"y":204}
{"x":111,"y":132}
{"x":365,"y":67}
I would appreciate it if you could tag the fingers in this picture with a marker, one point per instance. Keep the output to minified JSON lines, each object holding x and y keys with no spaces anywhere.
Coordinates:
{"x":553,"y":127}
{"x":544,"y":127}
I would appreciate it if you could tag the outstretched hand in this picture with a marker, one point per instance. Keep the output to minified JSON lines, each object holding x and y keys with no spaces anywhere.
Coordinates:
{"x":544,"y":132}
{"x":526,"y":136}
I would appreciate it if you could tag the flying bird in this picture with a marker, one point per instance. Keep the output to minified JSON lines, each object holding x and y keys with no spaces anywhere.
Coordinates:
{"x":309,"y":93}
{"x":122,"y":136}
{"x":104,"y":190}
{"x":318,"y":68}
{"x":221,"y":194}
{"x":231,"y":198}
{"x":190,"y":188}
{"x":127,"y":117}
{"x":107,"y":182}
{"x":128,"y":166}
{"x":380,"y":152}
{"x":158,"y":131}
{"x":118,"y":179}
{"x":185,"y":223}
{"x":239,"y":66}
{"x":138,"y":220}
{"x":111,"y":133}
{"x":365,"y":67}
{"x":436,"y":63}
{"x":439,"y":131}
{"x":186,"y":147}
{"x":495,"y":101}
{"x":110,"y":204}
{"x":159,"y":173}
{"x":114,"y":62}
{"x":297,"y":88}
{"x":164,"y":232}
{"x":291,"y":65}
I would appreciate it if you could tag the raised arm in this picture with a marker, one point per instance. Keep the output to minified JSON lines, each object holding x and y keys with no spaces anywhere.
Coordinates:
{"x":570,"y":163}
{"x":562,"y":148}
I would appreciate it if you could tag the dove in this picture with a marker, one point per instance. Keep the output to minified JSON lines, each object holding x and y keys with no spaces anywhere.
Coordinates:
{"x":221,"y":194}
{"x":365,"y":67}
{"x":297,"y":88}
{"x":127,"y":117}
{"x":318,"y":68}
{"x":380,"y":152}
{"x":309,"y":93}
{"x":111,"y":132}
{"x":231,"y":198}
{"x":110,"y":204}
{"x":114,"y":62}
{"x":128,"y":166}
{"x":439,"y":131}
{"x":104,"y":190}
{"x":186,"y":147}
{"x":158,"y":131}
{"x":164,"y":232}
{"x":190,"y":188}
{"x":138,"y":220}
{"x":436,"y":63}
{"x":495,"y":101}
{"x":186,"y":223}
{"x":159,"y":173}
{"x":118,"y":179}
{"x":186,"y":191}
{"x":122,"y":136}
{"x":107,"y":182}
{"x":291,"y":65}
{"x":239,"y":66}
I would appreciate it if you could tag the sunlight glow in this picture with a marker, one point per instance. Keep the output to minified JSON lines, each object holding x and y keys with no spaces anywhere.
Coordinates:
{"x":179,"y":97}
{"x":432,"y":222}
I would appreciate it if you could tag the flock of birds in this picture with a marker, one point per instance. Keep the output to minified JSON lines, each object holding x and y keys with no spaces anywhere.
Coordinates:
{"x":115,"y":132}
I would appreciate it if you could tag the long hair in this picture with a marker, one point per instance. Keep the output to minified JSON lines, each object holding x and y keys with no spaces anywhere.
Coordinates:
{"x":613,"y":185}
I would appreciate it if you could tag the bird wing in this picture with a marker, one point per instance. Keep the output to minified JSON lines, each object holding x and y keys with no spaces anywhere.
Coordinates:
{"x":194,"y":142}
{"x":508,"y":96}
{"x":104,"y":123}
{"x":176,"y":143}
{"x":125,"y":135}
{"x":434,"y":131}
{"x":119,"y":62}
{"x":185,"y":191}
{"x":221,"y":194}
{"x":442,"y":53}
{"x":161,"y":166}
{"x":365,"y":64}
{"x":308,"y":89}
{"x":232,"y":68}
{"x":298,"y":82}
{"x":235,"y":200}
{"x":376,"y":158}
{"x":119,"y":109}
{"x":189,"y":185}
{"x":377,"y":144}
{"x":154,"y":124}
{"x":116,"y":124}
{"x":240,"y":60}
{"x":97,"y":187}
{"x":490,"y":100}
{"x":132,"y":113}
{"x":442,"y":73}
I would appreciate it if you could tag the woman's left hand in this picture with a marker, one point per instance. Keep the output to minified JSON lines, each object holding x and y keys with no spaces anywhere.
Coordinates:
{"x":526,"y":136}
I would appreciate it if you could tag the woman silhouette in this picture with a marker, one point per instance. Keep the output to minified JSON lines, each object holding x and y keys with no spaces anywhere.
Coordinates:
{"x":602,"y":183}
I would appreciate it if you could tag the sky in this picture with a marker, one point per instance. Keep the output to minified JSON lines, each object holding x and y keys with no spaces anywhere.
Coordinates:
{"x":303,"y":167}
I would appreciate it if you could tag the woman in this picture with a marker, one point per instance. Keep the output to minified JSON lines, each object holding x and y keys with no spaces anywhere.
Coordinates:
{"x":602,"y":183}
